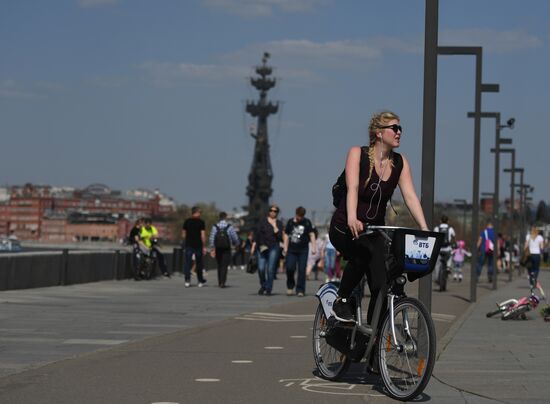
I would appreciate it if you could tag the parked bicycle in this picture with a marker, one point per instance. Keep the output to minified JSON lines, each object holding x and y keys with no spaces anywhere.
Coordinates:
{"x":402,"y":340}
{"x":514,"y":309}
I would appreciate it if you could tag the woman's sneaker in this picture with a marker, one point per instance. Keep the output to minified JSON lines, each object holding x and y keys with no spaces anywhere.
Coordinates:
{"x":342,"y":311}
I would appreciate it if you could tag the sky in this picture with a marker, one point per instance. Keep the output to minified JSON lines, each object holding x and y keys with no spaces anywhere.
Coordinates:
{"x":151,"y":94}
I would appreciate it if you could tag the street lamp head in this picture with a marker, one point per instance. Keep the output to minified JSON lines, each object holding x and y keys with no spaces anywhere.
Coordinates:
{"x":510,"y":122}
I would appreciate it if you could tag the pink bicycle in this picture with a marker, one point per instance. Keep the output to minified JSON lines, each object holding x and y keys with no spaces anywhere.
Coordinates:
{"x":514,"y":309}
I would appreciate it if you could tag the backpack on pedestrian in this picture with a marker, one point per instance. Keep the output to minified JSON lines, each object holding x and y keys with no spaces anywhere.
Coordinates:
{"x":446,"y":240}
{"x":221,"y":239}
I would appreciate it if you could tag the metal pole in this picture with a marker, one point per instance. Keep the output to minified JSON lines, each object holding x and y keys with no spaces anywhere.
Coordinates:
{"x":522,"y":206}
{"x":475,"y":191}
{"x":464,"y":218}
{"x":477,"y":51}
{"x":428,"y":131}
{"x":496,"y":221}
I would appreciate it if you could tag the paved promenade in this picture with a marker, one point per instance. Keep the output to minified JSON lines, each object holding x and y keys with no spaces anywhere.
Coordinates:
{"x":490,"y":360}
{"x":152,"y":342}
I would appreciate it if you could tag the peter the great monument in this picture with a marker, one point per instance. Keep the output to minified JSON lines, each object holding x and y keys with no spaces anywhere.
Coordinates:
{"x":259,"y":180}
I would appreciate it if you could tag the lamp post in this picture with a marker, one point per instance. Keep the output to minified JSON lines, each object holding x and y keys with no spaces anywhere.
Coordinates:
{"x":428,"y":131}
{"x":526,"y":189}
{"x":498,"y":127}
{"x":513,"y":153}
{"x":476,"y":51}
{"x":520,"y":170}
{"x":513,"y":185}
{"x":463,"y":202}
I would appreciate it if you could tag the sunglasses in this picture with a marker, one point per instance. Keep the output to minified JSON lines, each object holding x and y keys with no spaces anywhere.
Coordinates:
{"x":274,"y":210}
{"x":395,"y":127}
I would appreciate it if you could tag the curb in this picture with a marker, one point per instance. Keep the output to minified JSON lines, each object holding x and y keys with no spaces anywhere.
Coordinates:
{"x":451,"y":332}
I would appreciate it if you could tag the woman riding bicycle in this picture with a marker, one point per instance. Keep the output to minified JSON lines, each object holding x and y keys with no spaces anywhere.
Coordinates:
{"x":372,"y":173}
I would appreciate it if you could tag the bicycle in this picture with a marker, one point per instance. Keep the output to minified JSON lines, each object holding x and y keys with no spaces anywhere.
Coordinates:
{"x":147,"y":261}
{"x":404,"y":346}
{"x":513,"y":309}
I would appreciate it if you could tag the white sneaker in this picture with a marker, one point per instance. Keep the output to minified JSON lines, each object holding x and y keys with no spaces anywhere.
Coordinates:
{"x":201,"y":284}
{"x":187,"y":284}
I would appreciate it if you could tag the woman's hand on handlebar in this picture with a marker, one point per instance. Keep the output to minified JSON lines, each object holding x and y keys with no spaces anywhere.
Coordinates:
{"x":356,"y":227}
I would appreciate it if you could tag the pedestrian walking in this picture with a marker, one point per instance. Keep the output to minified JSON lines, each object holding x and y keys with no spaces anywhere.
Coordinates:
{"x":222,"y":237}
{"x":534,"y":245}
{"x":296,"y":238}
{"x":269,"y":234}
{"x":194,"y":242}
{"x":446,"y":245}
{"x":330,"y":260}
{"x":314,"y":258}
{"x":486,"y":248}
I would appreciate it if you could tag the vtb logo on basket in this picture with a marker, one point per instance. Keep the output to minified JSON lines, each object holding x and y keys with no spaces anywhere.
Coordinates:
{"x":418,"y":251}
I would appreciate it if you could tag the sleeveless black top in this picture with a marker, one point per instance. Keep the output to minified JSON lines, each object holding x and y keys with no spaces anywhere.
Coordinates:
{"x":373,"y":198}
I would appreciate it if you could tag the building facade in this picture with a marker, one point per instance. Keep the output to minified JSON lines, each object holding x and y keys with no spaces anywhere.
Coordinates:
{"x":95,"y":213}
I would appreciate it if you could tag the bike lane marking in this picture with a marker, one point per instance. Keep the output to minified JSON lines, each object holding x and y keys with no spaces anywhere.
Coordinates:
{"x":316,"y":385}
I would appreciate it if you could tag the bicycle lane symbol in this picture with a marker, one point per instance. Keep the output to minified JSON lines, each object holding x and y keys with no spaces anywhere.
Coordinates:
{"x":316,"y":385}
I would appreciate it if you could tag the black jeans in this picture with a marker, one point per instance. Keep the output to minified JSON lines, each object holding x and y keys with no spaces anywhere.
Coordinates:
{"x":223,"y":258}
{"x":189,"y":252}
{"x":365,"y":257}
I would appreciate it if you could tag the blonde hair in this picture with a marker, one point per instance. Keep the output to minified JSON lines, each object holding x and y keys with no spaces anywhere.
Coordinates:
{"x":376,"y":122}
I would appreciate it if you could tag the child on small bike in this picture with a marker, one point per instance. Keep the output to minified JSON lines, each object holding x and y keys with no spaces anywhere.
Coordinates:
{"x":459,"y":253}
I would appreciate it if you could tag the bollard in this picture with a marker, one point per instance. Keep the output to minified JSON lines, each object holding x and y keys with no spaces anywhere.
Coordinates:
{"x":64,"y":270}
{"x":116,"y":260}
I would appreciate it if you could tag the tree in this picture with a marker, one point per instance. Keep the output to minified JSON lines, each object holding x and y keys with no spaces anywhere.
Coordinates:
{"x":210,"y":214}
{"x":541,"y":215}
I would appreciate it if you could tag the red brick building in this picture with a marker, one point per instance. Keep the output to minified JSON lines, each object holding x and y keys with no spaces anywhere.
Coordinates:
{"x":65,"y":215}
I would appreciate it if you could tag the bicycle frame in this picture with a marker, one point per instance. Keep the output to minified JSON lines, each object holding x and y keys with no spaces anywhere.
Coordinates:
{"x":327,"y":294}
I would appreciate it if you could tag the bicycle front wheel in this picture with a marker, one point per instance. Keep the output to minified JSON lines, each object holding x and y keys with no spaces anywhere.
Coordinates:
{"x":406,"y":366}
{"x":331,"y":363}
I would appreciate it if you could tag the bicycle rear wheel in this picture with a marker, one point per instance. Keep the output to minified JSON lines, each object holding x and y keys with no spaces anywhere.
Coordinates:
{"x":331,"y":363}
{"x":443,"y":278}
{"x":407,"y":367}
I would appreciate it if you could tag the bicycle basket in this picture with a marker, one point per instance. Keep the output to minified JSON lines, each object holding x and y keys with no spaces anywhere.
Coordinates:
{"x":416,"y":251}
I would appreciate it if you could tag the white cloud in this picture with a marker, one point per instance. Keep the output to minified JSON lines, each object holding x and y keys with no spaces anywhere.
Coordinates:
{"x":168,"y":74}
{"x":12,"y":90}
{"x":96,"y":3}
{"x":306,"y":55}
{"x":491,"y":40}
{"x":262,"y":8}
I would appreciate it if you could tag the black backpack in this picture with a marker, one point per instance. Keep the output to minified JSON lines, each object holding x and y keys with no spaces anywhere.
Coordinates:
{"x":446,"y":235}
{"x":221,"y":239}
{"x":339,"y":189}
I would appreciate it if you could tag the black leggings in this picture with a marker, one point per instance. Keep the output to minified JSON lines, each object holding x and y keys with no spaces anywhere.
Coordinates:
{"x":365,"y":257}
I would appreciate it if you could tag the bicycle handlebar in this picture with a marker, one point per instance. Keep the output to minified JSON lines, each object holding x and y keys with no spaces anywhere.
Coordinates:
{"x":369,"y":229}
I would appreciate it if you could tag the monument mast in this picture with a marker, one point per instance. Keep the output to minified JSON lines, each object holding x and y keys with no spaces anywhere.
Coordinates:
{"x":259,"y":180}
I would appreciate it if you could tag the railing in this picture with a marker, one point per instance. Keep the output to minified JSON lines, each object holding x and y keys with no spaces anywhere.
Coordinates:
{"x":69,"y":267}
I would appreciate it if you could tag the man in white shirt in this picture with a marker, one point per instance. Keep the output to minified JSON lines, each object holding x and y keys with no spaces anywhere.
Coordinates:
{"x":447,"y":244}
